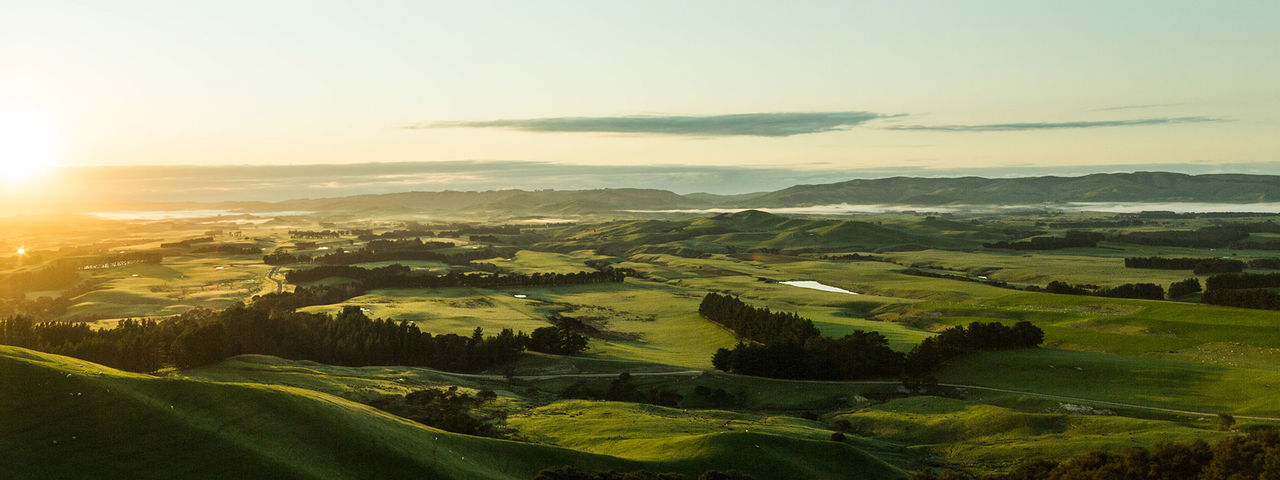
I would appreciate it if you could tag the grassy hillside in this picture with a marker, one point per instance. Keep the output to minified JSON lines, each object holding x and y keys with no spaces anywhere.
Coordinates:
{"x":746,"y":231}
{"x":1109,"y":187}
{"x":119,"y":425}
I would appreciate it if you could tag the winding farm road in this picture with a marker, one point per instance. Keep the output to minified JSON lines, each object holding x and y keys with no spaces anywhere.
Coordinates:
{"x":279,"y":283}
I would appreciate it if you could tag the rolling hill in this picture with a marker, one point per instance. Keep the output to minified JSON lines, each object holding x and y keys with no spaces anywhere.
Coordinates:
{"x":100,"y":422}
{"x":1103,"y":187}
{"x":1109,"y":187}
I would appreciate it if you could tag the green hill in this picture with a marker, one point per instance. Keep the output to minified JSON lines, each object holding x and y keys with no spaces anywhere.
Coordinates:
{"x":66,"y":418}
{"x":747,"y":230}
{"x":1104,"y":187}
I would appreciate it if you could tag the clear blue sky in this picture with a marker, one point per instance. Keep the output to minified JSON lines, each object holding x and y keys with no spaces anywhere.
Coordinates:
{"x":922,"y":84}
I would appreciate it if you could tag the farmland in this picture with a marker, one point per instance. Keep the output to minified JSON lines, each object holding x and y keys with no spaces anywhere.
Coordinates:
{"x":1112,"y":373}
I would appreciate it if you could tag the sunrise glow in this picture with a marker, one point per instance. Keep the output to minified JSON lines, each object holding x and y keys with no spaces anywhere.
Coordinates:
{"x":29,"y":145}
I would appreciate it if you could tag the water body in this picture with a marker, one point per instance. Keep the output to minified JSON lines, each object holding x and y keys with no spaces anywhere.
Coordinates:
{"x":1110,"y":207}
{"x":818,"y":286}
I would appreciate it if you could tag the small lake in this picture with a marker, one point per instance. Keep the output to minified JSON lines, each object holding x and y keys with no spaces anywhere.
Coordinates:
{"x":810,"y":284}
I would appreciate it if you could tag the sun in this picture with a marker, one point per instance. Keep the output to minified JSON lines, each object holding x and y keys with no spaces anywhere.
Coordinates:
{"x":28,"y":145}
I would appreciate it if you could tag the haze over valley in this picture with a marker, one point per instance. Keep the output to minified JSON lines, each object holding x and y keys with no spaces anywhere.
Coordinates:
{"x":639,"y":241}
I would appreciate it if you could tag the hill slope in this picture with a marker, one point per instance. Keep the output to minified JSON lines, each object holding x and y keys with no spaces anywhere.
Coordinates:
{"x":66,"y":418}
{"x":1108,"y":187}
{"x":103,"y":423}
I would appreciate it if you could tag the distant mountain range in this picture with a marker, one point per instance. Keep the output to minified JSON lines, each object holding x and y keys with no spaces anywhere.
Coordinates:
{"x":1111,"y":187}
{"x":1103,"y":187}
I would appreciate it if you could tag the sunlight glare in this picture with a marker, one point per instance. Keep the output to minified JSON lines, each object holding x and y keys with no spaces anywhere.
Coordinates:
{"x":28,"y":145}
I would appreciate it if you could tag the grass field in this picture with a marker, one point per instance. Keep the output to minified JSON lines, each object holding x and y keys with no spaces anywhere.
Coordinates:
{"x":1108,"y":367}
{"x":988,"y":437}
{"x":246,"y":430}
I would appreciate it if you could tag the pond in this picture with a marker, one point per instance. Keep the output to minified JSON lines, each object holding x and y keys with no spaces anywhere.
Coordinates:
{"x":817,"y":286}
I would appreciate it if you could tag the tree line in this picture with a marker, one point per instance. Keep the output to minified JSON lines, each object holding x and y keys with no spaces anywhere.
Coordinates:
{"x":1244,"y":290}
{"x":1217,"y":236}
{"x":1200,"y":266}
{"x":803,"y":353}
{"x":400,"y":276}
{"x":427,"y":253}
{"x":317,"y":234}
{"x":396,"y":234}
{"x":1068,"y":240}
{"x":444,"y":408}
{"x":955,"y":276}
{"x":187,"y":242}
{"x":1251,"y":456}
{"x":1142,"y":291}
{"x":756,"y":324}
{"x":201,"y":337}
{"x":230,"y":249}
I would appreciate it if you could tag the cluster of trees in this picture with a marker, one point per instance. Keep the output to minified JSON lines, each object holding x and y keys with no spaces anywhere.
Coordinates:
{"x":1260,"y":298}
{"x":1245,"y":290}
{"x":427,"y":253}
{"x":1201,"y":266}
{"x":1269,"y":263}
{"x":1069,"y":240}
{"x":307,"y":296}
{"x":565,"y":336}
{"x":111,"y":260}
{"x":857,"y":257}
{"x":285,"y":258}
{"x":756,"y":324}
{"x":1258,"y":244}
{"x":444,"y":408}
{"x":622,"y":389}
{"x":568,"y":472}
{"x":1217,"y":236}
{"x":932,"y":352}
{"x":1129,"y":222}
{"x":316,"y":234}
{"x":1145,"y":291}
{"x":1252,"y":456}
{"x":482,"y":230}
{"x":1243,"y":280}
{"x":231,"y":249}
{"x":400,"y":276}
{"x":190,"y":242}
{"x":396,"y":234}
{"x":201,"y":337}
{"x":856,"y":355}
{"x":1183,"y":288}
{"x":954,"y":276}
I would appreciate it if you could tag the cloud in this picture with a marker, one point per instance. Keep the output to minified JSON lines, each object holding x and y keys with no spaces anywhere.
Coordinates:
{"x":1011,"y":127}
{"x":1135,"y":107}
{"x":780,"y":124}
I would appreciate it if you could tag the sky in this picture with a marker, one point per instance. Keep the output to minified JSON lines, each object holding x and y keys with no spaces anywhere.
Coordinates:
{"x":808,"y":86}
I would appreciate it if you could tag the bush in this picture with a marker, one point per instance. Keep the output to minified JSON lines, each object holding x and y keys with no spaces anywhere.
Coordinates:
{"x":1183,"y":288}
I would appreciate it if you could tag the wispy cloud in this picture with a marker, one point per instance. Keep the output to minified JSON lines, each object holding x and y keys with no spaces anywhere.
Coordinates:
{"x":778,"y":124}
{"x":1135,"y":107}
{"x":1009,"y":127}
